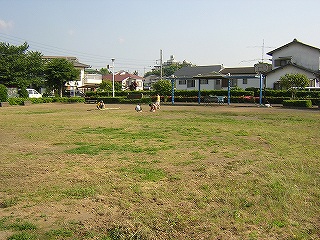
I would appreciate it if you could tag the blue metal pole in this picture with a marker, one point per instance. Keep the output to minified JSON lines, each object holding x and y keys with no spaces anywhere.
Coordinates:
{"x":260,"y":99}
{"x":199,"y":93}
{"x":229,"y":90}
{"x":172,"y":90}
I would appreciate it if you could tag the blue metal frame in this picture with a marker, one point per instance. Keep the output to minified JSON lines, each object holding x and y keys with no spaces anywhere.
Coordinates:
{"x":172,"y":90}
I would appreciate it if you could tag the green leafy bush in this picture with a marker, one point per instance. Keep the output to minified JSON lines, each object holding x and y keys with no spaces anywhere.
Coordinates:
{"x":3,"y":93}
{"x":297,"y":103}
{"x":16,"y":101}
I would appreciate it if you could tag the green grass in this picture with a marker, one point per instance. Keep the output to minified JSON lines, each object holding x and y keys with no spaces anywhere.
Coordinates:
{"x":179,"y":173}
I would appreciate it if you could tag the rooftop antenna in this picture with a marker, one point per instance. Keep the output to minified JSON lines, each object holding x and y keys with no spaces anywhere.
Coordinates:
{"x":263,"y":47}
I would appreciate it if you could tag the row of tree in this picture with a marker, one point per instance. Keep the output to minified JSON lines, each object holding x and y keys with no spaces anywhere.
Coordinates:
{"x":22,"y":68}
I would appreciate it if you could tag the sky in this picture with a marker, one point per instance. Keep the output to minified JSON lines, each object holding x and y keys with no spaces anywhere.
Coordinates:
{"x":203,"y":32}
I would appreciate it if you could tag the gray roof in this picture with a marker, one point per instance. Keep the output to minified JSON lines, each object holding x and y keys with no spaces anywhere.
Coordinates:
{"x":189,"y":72}
{"x":295,"y":41}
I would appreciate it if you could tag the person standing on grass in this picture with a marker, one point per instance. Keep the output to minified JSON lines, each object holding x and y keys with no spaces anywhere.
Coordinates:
{"x":158,"y":101}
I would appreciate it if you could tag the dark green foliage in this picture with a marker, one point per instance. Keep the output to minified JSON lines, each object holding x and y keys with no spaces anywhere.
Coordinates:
{"x":297,"y":103}
{"x":3,"y":93}
{"x":20,"y":67}
{"x":20,"y":101}
{"x":23,"y":93}
{"x":58,"y":72}
{"x":162,"y":87}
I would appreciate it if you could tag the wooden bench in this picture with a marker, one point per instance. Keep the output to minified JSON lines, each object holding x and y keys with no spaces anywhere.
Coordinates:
{"x":214,"y":99}
{"x":4,"y":104}
{"x":90,"y":101}
{"x":27,"y":103}
{"x":135,"y":96}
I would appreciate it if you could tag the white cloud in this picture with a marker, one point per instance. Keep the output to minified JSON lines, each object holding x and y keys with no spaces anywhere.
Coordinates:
{"x":5,"y":25}
{"x":121,"y":40}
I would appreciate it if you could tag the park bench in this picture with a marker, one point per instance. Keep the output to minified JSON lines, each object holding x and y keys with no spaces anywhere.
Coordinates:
{"x":213,"y":99}
{"x":135,"y":96}
{"x":4,"y":104}
{"x":90,"y":100}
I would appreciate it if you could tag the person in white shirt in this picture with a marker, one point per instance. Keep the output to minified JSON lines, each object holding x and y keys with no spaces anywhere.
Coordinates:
{"x":138,"y":108}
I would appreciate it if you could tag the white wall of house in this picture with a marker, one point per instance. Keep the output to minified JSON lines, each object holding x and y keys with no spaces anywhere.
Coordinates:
{"x":248,"y":83}
{"x":275,"y":76}
{"x":300,"y":54}
{"x":193,"y":84}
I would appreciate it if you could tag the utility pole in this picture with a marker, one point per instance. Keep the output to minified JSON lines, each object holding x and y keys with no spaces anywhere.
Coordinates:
{"x":160,"y":64}
{"x":112,"y":59}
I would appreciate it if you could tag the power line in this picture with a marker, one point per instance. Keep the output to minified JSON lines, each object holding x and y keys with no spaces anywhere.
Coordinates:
{"x":96,"y":59}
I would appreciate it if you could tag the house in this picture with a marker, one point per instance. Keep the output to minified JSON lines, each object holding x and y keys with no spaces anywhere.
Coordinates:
{"x":126,"y":79}
{"x":242,"y":77}
{"x":184,"y":77}
{"x":149,"y":81}
{"x":85,"y":81}
{"x":294,"y":57}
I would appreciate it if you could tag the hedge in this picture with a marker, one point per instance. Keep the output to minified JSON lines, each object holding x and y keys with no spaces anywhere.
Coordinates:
{"x":297,"y":103}
{"x":20,"y":101}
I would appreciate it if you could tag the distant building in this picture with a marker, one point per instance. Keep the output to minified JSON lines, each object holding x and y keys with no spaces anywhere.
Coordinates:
{"x":294,"y":57}
{"x":243,"y":77}
{"x":184,"y":77}
{"x":126,"y":79}
{"x":86,"y":81}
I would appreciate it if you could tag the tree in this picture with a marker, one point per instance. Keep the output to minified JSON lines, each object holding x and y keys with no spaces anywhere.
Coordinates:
{"x":104,"y":71}
{"x":294,"y":81}
{"x":19,"y":67}
{"x":58,"y":72}
{"x":168,"y":70}
{"x":3,"y":93}
{"x":106,"y":85}
{"x":162,"y":87}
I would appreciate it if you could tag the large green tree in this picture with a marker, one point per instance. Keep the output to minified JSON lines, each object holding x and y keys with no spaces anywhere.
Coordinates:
{"x":58,"y":72}
{"x":162,"y":87}
{"x":19,"y":67}
{"x":168,"y":70}
{"x":294,"y":81}
{"x":106,"y":85}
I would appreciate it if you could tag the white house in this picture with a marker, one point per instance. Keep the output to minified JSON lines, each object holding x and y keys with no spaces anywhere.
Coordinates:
{"x":184,"y":78}
{"x":85,"y":81}
{"x":294,"y":57}
{"x":243,"y":77}
{"x":126,"y":79}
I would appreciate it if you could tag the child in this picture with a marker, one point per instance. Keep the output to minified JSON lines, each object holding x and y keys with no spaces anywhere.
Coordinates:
{"x":100,"y":105}
{"x":152,"y":107}
{"x":138,"y":108}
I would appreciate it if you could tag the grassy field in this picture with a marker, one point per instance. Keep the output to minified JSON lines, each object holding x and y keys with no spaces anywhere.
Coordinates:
{"x":69,"y":171}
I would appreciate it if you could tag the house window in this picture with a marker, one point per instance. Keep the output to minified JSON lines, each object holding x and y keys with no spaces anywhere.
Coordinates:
{"x":191,"y":83}
{"x":182,"y":82}
{"x":281,"y":62}
{"x":245,"y":81}
{"x":204,"y":81}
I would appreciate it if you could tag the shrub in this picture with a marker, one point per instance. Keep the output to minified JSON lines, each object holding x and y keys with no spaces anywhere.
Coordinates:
{"x":23,"y":93}
{"x":3,"y":93}
{"x":297,"y":103}
{"x":16,"y":101}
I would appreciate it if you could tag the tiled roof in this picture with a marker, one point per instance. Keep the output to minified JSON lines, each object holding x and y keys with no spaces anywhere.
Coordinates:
{"x":238,"y":70}
{"x":295,"y":41}
{"x":74,"y":60}
{"x":293,"y":65}
{"x":190,"y":71}
{"x":119,"y":77}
